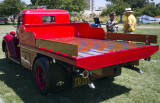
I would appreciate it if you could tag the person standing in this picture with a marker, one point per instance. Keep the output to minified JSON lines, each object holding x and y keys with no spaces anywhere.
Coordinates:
{"x":130,"y":23}
{"x":112,"y":24}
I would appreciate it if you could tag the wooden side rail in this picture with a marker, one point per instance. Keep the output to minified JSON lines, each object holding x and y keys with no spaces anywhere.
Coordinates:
{"x":27,"y":38}
{"x":132,"y":37}
{"x":70,"y":49}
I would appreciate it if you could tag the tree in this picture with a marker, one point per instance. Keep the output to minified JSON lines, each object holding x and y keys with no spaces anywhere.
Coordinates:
{"x":33,"y":2}
{"x":70,"y":5}
{"x":118,"y":6}
{"x":11,"y":7}
{"x":158,"y":5}
{"x":148,"y":10}
{"x":140,"y":7}
{"x":134,"y":3}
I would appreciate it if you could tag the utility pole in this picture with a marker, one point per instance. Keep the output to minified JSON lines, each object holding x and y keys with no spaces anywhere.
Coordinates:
{"x":92,"y":7}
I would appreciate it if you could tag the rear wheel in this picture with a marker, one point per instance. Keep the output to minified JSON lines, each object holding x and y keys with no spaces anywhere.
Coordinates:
{"x":41,"y":75}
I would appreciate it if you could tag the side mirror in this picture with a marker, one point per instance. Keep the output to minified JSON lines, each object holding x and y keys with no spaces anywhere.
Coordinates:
{"x":12,"y":33}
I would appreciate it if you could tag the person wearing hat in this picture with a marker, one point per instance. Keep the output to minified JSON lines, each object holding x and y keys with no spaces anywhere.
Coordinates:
{"x":112,"y":24}
{"x":130,"y":23}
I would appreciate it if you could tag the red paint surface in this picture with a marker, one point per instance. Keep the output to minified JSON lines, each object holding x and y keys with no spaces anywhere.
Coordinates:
{"x":86,"y":31}
{"x":34,"y":16}
{"x":49,"y":31}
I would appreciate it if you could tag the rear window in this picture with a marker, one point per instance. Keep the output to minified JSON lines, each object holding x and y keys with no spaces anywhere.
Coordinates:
{"x":48,"y":19}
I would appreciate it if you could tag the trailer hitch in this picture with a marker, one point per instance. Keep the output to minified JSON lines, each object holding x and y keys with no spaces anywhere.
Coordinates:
{"x":133,"y":68}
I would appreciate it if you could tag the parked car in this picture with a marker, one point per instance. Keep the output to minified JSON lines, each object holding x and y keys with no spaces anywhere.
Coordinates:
{"x":3,"y":20}
{"x":150,"y":20}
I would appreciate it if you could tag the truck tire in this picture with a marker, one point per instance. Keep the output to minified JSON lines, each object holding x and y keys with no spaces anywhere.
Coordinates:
{"x":6,"y":54}
{"x":41,"y":75}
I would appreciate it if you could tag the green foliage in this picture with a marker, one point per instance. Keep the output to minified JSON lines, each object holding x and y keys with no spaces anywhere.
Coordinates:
{"x":137,"y":3}
{"x":140,"y":7}
{"x":133,"y":3}
{"x":148,"y":10}
{"x":157,"y":5}
{"x":11,"y":7}
{"x":33,"y":2}
{"x":118,"y":6}
{"x":70,"y":5}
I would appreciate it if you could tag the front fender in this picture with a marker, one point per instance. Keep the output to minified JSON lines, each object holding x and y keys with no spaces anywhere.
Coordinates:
{"x":3,"y":45}
{"x":9,"y":41}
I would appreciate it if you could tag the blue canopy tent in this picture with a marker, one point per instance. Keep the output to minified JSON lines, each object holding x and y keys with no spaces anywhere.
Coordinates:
{"x":144,"y":16}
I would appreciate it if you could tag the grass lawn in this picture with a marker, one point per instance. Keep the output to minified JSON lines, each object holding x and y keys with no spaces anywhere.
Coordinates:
{"x":16,"y":85}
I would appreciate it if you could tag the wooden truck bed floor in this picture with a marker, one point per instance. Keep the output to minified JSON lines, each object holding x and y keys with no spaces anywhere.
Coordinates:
{"x":90,"y":47}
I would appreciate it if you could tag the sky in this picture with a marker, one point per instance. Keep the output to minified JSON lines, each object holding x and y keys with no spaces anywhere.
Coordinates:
{"x":103,"y":3}
{"x":97,"y":3}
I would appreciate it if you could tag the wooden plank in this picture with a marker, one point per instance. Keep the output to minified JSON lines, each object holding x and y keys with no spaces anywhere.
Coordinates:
{"x":70,"y":49}
{"x":27,"y":38}
{"x":132,"y":37}
{"x":69,"y":60}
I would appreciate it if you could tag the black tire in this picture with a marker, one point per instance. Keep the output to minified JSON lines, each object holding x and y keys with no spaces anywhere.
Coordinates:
{"x":41,"y":75}
{"x":6,"y":54}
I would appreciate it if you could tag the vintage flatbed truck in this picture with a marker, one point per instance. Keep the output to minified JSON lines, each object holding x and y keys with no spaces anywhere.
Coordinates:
{"x":63,"y":54}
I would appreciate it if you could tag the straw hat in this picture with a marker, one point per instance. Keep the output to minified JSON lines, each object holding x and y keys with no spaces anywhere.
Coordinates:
{"x":128,"y":10}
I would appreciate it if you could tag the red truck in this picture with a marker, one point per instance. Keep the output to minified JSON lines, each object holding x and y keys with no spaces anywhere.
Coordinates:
{"x":63,"y":54}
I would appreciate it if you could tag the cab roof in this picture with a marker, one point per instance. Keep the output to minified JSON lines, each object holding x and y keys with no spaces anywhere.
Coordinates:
{"x":44,"y":11}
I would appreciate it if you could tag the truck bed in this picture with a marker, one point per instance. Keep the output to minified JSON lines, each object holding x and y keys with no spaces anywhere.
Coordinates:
{"x":96,"y":53}
{"x":92,"y":47}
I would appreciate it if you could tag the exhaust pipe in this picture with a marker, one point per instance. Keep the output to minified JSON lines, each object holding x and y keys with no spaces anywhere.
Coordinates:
{"x":136,"y":69}
{"x":133,"y":68}
{"x":91,"y":85}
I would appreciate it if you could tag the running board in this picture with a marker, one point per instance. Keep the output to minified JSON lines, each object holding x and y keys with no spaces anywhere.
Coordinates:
{"x":16,"y":60}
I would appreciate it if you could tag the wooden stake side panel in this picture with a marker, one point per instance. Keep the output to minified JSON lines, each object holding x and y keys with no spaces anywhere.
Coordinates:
{"x":70,"y":49}
{"x":27,"y":38}
{"x":33,"y":52}
{"x":132,"y":37}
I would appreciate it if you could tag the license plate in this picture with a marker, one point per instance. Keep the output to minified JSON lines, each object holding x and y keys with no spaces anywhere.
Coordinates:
{"x":79,"y":81}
